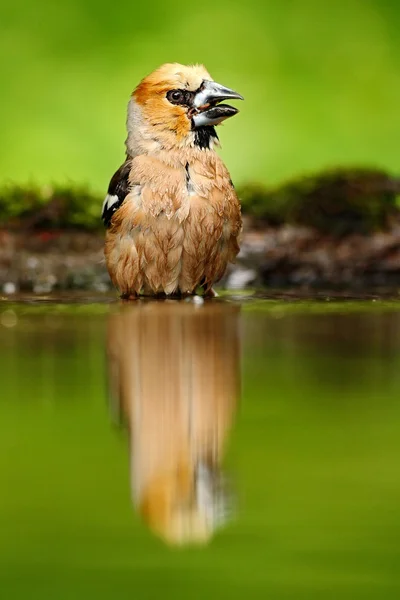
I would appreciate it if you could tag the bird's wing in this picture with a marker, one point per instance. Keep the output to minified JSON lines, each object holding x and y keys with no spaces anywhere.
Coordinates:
{"x":117,"y":192}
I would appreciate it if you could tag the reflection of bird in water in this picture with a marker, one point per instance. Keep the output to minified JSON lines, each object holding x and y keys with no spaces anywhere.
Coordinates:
{"x":175,"y":374}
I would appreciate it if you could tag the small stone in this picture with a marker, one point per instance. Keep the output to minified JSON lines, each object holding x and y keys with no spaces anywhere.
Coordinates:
{"x":42,"y":288}
{"x":51,"y":279}
{"x":32,"y":262}
{"x":241,"y":278}
{"x":100,"y":286}
{"x":9,"y":288}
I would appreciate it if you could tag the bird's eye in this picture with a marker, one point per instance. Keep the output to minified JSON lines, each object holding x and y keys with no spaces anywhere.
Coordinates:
{"x":175,"y":96}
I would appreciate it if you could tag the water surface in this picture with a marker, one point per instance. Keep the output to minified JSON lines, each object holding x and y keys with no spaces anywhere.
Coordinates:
{"x":176,"y":450}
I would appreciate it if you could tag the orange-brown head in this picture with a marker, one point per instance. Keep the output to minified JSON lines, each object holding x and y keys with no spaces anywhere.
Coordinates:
{"x":176,"y":106}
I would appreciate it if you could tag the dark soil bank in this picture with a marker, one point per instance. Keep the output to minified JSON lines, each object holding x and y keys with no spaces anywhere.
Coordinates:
{"x":279,"y":256}
{"x":335,"y":229}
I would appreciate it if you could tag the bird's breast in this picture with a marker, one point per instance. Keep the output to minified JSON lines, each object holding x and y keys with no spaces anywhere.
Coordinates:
{"x":175,"y":228}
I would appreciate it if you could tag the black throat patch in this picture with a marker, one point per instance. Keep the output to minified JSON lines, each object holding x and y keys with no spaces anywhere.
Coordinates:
{"x":204,"y":135}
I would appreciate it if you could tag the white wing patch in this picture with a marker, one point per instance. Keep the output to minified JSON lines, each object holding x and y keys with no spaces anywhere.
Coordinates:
{"x":109,"y":201}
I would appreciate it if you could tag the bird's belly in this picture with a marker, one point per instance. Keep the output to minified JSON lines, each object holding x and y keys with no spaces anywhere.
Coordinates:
{"x":170,"y":255}
{"x":205,"y":250}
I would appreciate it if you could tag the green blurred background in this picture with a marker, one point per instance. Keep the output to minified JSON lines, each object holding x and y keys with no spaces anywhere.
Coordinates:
{"x":321,"y":82}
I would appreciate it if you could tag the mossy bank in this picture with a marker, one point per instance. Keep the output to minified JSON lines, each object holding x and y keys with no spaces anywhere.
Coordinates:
{"x":338,"y":228}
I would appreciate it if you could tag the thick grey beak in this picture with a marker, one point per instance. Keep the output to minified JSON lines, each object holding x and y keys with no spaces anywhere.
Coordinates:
{"x":212,"y":92}
{"x":209,"y":112}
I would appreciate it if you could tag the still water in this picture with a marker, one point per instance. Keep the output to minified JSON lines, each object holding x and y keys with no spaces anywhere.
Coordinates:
{"x":166,"y":449}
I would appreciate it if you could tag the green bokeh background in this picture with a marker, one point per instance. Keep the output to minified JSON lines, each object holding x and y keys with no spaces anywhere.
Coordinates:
{"x":321,"y":82}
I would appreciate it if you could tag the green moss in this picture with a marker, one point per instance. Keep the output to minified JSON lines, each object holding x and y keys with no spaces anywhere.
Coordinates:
{"x":338,"y":201}
{"x":49,"y":207}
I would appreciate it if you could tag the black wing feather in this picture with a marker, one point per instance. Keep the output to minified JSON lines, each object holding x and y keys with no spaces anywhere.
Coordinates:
{"x":119,"y":187}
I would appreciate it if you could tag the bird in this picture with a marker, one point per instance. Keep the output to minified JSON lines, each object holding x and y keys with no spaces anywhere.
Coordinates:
{"x":172,"y":215}
{"x":174,"y":387}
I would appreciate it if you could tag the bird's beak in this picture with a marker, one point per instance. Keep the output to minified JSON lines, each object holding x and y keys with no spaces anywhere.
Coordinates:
{"x":206,"y":107}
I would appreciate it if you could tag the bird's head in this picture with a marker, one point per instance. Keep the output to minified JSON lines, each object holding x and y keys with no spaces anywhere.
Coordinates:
{"x":177,"y":106}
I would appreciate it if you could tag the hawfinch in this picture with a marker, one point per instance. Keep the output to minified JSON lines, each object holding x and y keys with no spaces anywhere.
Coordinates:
{"x":172,"y":215}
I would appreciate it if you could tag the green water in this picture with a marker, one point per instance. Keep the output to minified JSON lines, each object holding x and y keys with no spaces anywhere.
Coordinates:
{"x":312,"y":449}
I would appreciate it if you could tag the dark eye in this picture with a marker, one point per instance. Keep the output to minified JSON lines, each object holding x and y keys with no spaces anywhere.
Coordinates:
{"x":176,"y":96}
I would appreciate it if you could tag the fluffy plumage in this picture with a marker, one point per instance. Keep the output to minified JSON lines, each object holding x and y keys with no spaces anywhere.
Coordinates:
{"x":172,"y":213}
